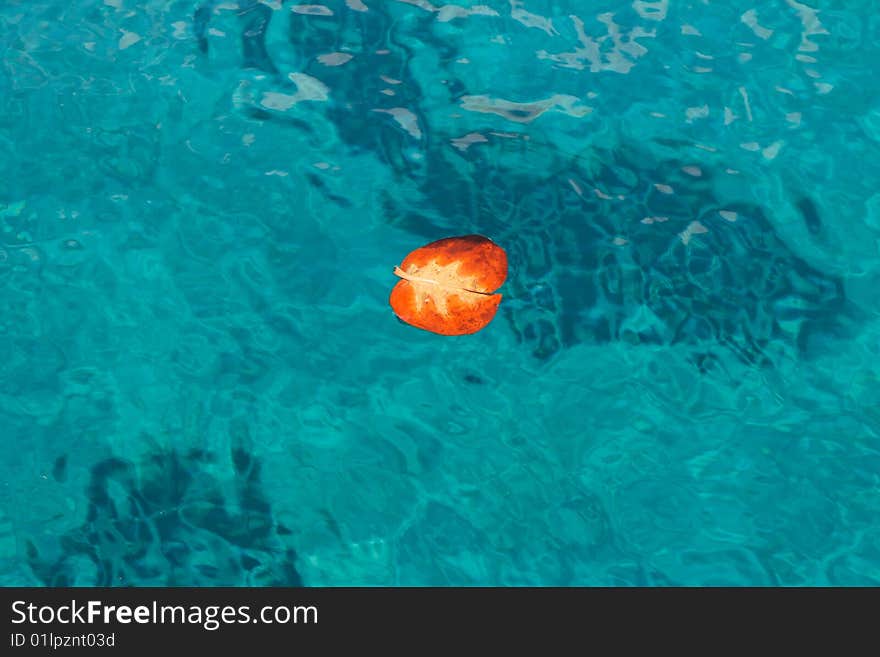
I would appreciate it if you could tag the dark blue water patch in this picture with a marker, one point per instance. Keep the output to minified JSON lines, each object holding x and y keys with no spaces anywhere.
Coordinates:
{"x":201,"y":21}
{"x":645,"y":266}
{"x":812,"y":220}
{"x":59,"y":469}
{"x":171,"y":520}
{"x":357,"y":113}
{"x":253,"y":18}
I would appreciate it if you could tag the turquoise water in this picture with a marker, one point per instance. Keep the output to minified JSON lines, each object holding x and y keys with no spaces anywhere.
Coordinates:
{"x":201,"y":381}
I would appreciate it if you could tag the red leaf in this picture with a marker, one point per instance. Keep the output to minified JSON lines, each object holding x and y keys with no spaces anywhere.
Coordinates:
{"x":448,"y":286}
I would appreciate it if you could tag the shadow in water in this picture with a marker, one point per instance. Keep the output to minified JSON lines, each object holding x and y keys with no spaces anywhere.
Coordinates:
{"x":172,"y":520}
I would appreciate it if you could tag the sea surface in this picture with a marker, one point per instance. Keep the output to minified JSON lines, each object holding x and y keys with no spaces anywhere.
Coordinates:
{"x":201,"y":206}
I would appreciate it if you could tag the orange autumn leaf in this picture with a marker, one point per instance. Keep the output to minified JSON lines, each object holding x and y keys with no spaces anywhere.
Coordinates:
{"x":448,"y":286}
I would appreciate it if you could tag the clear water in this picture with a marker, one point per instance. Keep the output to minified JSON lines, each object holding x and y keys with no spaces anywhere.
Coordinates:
{"x":201,"y":381}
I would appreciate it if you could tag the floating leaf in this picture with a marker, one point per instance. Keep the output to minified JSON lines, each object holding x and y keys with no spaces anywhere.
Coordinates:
{"x":448,"y":286}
